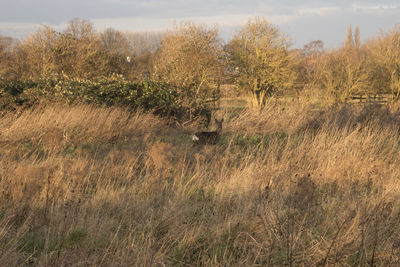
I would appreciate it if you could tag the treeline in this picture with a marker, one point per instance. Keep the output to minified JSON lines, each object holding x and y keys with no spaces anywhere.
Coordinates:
{"x":78,"y":51}
{"x":370,"y":68}
{"x":184,"y":68}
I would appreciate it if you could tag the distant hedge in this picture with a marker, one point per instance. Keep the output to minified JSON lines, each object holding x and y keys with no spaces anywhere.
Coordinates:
{"x":160,"y":97}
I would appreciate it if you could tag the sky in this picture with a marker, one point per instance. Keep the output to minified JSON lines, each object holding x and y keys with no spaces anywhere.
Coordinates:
{"x":303,"y":21}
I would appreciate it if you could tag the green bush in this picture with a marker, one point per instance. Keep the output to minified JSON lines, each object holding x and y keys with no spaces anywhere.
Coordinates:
{"x":148,"y":95}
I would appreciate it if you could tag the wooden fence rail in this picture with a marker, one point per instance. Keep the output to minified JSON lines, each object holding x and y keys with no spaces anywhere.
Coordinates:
{"x":376,"y":98}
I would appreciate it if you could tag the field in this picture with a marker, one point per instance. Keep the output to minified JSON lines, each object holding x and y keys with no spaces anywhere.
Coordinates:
{"x":289,"y":186}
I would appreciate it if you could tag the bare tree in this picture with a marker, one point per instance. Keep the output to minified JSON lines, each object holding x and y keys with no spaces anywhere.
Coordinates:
{"x":115,"y":42}
{"x":144,"y":42}
{"x":260,"y":56}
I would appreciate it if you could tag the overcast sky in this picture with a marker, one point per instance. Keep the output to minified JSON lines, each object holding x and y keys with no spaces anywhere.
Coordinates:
{"x":303,"y":21}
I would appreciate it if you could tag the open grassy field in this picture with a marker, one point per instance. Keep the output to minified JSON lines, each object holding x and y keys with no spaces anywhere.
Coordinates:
{"x":291,"y":186}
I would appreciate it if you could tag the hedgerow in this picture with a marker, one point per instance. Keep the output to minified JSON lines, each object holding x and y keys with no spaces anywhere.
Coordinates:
{"x":160,"y":97}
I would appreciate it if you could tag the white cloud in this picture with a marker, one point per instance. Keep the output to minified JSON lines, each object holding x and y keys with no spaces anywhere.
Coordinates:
{"x":373,"y":8}
{"x":160,"y":24}
{"x":319,"y":11}
{"x":150,"y":24}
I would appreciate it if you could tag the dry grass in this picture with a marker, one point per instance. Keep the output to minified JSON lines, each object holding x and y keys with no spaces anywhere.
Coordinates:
{"x":290,"y":186}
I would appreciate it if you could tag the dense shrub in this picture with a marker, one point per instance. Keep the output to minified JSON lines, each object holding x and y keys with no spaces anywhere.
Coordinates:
{"x":112,"y":91}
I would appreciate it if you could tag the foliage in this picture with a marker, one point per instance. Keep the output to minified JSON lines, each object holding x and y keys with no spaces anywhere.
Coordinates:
{"x":190,"y":59}
{"x":260,"y":60}
{"x":6,"y":46}
{"x":148,"y":95}
{"x":309,"y":57}
{"x":78,"y":52}
{"x":342,"y":74}
{"x":117,"y":47}
{"x":353,"y":69}
{"x":385,"y":51}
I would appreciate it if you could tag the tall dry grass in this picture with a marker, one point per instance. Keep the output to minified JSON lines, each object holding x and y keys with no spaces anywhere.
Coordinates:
{"x":289,"y":186}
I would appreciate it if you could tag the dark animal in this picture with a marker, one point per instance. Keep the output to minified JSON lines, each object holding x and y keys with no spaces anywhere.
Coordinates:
{"x":208,"y":138}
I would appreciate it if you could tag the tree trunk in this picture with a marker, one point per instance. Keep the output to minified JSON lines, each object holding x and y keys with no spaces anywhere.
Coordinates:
{"x":258,"y":100}
{"x":258,"y":96}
